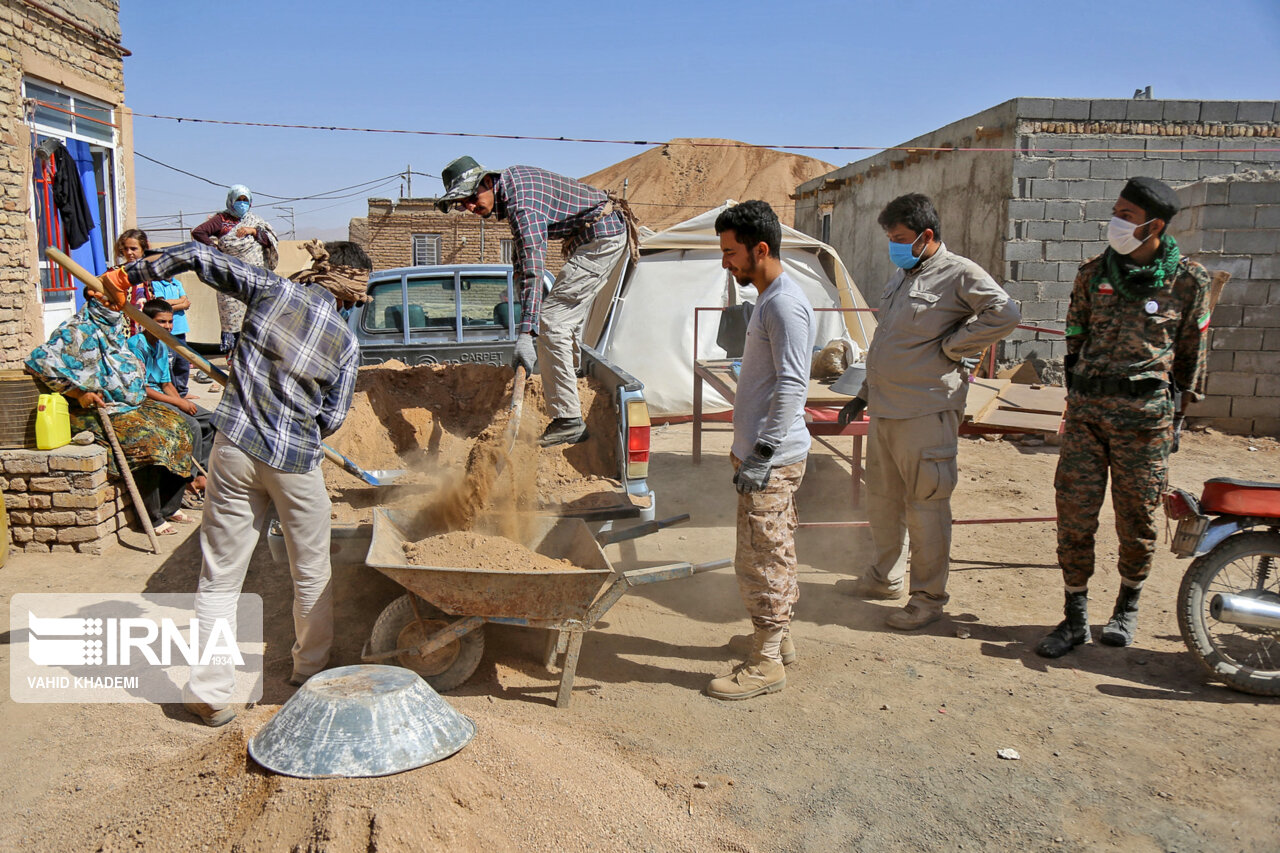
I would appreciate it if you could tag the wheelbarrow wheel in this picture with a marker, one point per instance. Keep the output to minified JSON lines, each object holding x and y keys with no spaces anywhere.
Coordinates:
{"x":445,"y":668}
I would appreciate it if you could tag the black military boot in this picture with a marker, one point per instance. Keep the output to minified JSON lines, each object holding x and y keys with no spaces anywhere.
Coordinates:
{"x":1072,"y":631}
{"x":1123,"y":624}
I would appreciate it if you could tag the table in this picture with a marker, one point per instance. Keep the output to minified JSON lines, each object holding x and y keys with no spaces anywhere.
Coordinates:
{"x":718,"y":374}
{"x":991,"y":406}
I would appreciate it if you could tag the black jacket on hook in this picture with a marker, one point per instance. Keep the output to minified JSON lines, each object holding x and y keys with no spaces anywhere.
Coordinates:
{"x":68,"y":196}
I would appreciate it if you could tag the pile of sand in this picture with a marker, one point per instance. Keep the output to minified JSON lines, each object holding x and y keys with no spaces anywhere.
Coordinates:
{"x":466,"y":549}
{"x":686,"y":177}
{"x":512,"y":788}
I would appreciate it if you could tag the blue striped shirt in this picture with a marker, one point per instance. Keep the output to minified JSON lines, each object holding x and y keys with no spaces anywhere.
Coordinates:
{"x":294,"y":370}
{"x":544,"y":206}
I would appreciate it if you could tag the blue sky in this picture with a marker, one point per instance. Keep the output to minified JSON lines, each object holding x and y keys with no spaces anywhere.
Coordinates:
{"x":803,"y":73}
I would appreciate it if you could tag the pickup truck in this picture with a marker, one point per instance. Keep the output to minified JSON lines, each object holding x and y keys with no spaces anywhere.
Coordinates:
{"x":467,"y":314}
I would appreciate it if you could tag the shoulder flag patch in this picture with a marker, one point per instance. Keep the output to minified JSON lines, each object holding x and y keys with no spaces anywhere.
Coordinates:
{"x":1072,"y":331}
{"x":1204,"y":321}
{"x":1104,"y":286}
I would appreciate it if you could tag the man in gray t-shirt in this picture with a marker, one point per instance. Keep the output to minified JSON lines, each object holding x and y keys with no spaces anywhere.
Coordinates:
{"x":770,"y":444}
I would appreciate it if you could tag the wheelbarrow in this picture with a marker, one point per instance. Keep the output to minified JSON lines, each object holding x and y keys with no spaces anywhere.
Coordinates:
{"x":437,"y":628}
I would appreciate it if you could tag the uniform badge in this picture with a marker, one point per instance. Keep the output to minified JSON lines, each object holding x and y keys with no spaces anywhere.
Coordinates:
{"x":1104,"y":286}
{"x":1152,"y":307}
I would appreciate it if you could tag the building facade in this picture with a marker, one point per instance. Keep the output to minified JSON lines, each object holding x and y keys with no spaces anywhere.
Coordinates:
{"x":412,"y":232}
{"x":61,"y":101}
{"x":1035,"y":204}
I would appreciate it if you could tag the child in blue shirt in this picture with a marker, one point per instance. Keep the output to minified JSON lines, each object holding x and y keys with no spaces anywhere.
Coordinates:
{"x":130,"y":246}
{"x":155,"y":358}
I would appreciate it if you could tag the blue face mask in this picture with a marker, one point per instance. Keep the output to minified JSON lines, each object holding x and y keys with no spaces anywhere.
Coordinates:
{"x":240,"y":208}
{"x":900,"y":254}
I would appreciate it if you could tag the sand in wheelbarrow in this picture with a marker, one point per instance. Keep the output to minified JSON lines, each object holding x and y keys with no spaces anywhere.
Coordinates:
{"x":467,"y":549}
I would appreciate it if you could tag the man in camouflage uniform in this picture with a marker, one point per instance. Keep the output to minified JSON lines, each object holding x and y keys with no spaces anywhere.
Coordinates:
{"x":1136,"y":339}
{"x":770,"y":444}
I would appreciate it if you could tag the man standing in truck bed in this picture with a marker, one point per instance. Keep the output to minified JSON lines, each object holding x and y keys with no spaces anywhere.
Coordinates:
{"x":596,"y":229}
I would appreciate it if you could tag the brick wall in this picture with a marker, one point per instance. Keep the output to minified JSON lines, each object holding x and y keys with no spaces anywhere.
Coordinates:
{"x":1233,"y":224}
{"x":1030,"y":210}
{"x":1076,"y":156}
{"x":35,"y":44}
{"x":464,"y":237}
{"x":60,"y":500}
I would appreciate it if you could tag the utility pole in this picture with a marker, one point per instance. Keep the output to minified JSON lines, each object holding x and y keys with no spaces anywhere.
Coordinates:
{"x":292,"y":224}
{"x":408,"y":179}
{"x":181,"y":225}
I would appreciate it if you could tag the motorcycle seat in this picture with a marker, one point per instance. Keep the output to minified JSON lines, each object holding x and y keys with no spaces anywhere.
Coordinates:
{"x":1228,"y":496}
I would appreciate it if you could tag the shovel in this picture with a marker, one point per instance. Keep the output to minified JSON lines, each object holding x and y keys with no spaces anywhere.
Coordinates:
{"x":373,"y":478}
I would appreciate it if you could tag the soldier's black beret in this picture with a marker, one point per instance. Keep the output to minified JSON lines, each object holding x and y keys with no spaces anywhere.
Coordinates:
{"x":1155,"y":197}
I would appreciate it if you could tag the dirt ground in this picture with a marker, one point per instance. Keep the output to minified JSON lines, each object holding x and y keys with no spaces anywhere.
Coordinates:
{"x":880,"y":741}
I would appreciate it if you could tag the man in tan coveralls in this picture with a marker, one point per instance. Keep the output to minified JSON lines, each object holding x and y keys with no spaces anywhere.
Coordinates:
{"x":770,"y":444}
{"x":938,"y":312}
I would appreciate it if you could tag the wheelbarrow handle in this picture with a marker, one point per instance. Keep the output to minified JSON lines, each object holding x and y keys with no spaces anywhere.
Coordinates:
{"x":609,"y":537}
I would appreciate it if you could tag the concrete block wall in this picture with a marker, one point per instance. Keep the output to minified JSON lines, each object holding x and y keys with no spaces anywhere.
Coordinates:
{"x":33,"y":43}
{"x":464,"y":237}
{"x":1075,"y":156}
{"x":61,"y":500}
{"x":1034,"y":204}
{"x":1232,"y":223}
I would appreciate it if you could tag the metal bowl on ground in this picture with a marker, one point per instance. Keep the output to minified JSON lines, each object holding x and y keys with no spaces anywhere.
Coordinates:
{"x":358,"y":721}
{"x":850,"y":382}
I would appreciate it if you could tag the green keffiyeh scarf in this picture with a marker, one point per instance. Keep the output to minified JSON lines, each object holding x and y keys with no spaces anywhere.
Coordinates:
{"x":1135,"y":282}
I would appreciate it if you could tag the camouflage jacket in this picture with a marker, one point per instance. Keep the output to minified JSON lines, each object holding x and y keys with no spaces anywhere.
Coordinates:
{"x":1160,"y":336}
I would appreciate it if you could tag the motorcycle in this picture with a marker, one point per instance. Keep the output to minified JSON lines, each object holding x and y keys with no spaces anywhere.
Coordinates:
{"x":1229,"y":601}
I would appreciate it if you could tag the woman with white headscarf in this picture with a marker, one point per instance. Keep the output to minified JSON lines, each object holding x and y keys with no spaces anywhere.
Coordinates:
{"x":242,"y":234}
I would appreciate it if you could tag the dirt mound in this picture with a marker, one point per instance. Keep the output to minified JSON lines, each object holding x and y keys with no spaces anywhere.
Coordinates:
{"x":685,"y":177}
{"x":496,"y":794}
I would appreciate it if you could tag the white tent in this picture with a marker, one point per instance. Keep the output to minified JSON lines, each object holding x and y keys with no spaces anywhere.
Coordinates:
{"x":650,"y":330}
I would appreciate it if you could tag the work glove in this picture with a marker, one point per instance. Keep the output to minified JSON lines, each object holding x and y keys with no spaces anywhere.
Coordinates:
{"x":752,"y":475}
{"x":852,"y":411}
{"x":969,"y":362}
{"x":525,"y":355}
{"x":116,"y":287}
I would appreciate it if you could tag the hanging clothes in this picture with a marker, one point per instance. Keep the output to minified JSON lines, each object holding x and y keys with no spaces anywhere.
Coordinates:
{"x":68,"y":196}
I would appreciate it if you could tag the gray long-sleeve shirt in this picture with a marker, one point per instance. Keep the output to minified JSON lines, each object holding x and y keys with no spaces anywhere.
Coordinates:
{"x":774,"y":379}
{"x":945,"y":309}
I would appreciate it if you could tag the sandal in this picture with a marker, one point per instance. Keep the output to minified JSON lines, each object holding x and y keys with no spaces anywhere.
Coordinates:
{"x":166,"y":529}
{"x":181,"y":517}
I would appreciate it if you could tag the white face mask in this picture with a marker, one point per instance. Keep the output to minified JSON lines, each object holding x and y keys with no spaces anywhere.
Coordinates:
{"x":1120,"y":235}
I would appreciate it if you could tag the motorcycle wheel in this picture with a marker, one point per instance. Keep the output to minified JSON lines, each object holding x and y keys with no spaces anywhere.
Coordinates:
{"x":1246,"y":659}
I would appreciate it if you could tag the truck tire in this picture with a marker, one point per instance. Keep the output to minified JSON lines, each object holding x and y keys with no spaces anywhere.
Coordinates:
{"x":445,"y":668}
{"x":1246,"y":659}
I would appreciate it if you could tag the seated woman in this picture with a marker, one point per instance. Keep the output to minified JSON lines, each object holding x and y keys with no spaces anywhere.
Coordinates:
{"x":88,"y":361}
{"x":155,"y":358}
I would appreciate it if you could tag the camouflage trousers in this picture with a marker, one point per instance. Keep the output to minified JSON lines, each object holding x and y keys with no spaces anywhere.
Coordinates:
{"x":765,"y":560}
{"x":1138,"y":461}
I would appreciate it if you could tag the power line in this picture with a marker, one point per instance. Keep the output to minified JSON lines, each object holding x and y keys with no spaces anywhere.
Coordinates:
{"x":326,"y":195}
{"x":691,"y":143}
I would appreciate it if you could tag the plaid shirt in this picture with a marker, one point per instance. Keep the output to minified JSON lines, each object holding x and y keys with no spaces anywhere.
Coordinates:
{"x":543,"y":206}
{"x":294,"y":369}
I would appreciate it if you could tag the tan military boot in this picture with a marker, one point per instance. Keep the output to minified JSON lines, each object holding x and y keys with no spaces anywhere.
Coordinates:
{"x":741,"y":644}
{"x":758,"y":674}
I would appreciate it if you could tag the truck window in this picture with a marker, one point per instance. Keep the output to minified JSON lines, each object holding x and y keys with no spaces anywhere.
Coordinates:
{"x":432,"y":308}
{"x":482,"y":301}
{"x":385,"y":311}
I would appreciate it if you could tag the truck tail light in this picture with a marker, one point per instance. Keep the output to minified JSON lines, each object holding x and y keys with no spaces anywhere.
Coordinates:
{"x":637,"y":439}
